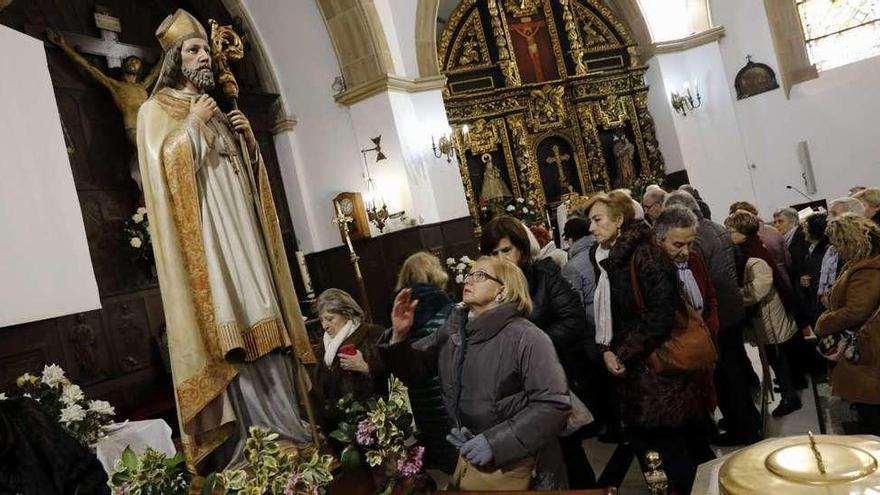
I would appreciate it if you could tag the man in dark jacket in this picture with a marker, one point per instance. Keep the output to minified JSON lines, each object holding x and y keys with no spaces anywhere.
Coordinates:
{"x":733,"y":372}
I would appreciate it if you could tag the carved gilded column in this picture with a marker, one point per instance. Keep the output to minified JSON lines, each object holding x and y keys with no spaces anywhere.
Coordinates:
{"x":649,"y":135}
{"x":527,"y":166}
{"x":502,"y":41}
{"x":574,"y":38}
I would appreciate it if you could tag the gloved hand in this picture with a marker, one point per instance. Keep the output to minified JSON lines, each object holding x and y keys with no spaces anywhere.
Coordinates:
{"x":477,"y":451}
{"x":459,"y":437}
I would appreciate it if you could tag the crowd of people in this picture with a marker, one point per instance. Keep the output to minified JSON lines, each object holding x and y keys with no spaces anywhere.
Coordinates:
{"x":639,"y":321}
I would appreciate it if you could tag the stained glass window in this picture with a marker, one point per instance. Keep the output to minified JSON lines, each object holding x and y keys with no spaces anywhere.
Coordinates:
{"x":840,"y":32}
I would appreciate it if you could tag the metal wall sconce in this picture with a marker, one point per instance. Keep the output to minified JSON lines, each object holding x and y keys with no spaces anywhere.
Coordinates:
{"x":377,"y":210}
{"x":442,"y":148}
{"x":685,"y":103}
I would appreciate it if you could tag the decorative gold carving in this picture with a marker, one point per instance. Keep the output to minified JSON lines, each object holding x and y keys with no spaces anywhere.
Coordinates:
{"x":554,"y":40}
{"x":595,"y":159}
{"x":648,"y":135}
{"x":596,"y":34}
{"x":525,"y":160}
{"x":482,"y":137}
{"x":470,"y":50}
{"x":502,"y":42}
{"x":470,"y":110}
{"x":608,"y":22}
{"x":459,"y":142}
{"x":547,"y":108}
{"x":611,"y":112}
{"x":451,"y":25}
{"x":574,"y":38}
{"x":459,"y":86}
{"x":523,"y":8}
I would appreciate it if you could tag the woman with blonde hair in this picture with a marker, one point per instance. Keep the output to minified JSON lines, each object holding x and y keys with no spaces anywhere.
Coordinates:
{"x":502,"y":382}
{"x":425,"y":278}
{"x":348,"y":362}
{"x":853,"y":310}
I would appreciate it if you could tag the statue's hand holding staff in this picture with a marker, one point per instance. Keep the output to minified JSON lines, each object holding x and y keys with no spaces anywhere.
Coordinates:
{"x":242,"y":125}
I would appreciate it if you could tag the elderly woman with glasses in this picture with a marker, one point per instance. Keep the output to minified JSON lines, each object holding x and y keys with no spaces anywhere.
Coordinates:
{"x":502,"y":383}
{"x":558,"y":311}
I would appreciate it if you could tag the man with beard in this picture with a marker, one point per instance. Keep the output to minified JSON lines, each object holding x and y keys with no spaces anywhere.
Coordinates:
{"x":229,"y":301}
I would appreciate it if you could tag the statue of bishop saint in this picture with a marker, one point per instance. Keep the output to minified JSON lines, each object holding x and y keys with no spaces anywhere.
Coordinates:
{"x":230,"y":307}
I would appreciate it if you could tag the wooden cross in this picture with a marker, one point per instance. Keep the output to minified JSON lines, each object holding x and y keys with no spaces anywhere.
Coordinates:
{"x":559,"y":160}
{"x":108,"y":45}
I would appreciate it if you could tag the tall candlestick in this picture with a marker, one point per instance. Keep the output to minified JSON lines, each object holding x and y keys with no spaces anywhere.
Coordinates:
{"x":304,"y":272}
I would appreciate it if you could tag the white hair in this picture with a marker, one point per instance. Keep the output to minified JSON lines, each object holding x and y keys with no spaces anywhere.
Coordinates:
{"x":848,"y":205}
{"x":789,"y":214}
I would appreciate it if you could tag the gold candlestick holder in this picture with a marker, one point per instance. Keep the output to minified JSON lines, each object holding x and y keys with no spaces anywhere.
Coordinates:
{"x":342,"y":221}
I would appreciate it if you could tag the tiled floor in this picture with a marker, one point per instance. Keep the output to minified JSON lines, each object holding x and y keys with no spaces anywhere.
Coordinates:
{"x":799,"y":422}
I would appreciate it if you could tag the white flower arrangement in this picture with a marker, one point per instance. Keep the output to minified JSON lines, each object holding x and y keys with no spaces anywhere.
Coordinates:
{"x":459,"y":267}
{"x":82,"y":418}
{"x":137,"y":235}
{"x":53,"y":375}
{"x":525,"y":210}
{"x":72,"y":394}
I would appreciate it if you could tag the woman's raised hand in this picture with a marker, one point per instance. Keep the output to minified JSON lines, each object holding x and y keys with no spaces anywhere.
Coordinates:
{"x":402,"y":315}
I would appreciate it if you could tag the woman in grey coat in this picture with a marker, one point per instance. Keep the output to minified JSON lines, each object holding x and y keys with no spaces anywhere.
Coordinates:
{"x":502,"y":382}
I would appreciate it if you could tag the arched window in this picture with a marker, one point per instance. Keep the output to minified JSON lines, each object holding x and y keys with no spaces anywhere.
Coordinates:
{"x":675,"y":19}
{"x":839,"y":32}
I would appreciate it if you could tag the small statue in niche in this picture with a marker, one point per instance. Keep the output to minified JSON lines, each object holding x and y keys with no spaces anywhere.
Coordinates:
{"x":494,"y":189}
{"x":624,"y":152}
{"x":82,"y":336}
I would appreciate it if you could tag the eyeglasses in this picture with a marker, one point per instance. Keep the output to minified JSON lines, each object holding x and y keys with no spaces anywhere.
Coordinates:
{"x":481,"y":276}
{"x":503,"y":250}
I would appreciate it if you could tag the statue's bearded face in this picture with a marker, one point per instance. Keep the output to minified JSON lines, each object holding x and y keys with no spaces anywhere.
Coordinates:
{"x":195,"y":63}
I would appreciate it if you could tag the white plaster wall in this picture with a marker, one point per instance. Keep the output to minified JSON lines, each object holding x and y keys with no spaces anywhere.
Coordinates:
{"x":709,"y":138}
{"x":835,"y":114}
{"x":320,"y":158}
{"x":660,"y":109}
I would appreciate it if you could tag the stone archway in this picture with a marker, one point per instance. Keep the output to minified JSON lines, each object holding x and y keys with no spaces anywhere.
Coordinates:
{"x":358,"y":39}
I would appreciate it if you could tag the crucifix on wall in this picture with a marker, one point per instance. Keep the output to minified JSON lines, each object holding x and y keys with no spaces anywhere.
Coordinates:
{"x":529,"y":31}
{"x":129,"y":92}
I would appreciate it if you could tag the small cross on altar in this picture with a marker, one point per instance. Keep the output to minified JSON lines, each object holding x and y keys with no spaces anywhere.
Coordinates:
{"x":108,"y":45}
{"x":559,"y":160}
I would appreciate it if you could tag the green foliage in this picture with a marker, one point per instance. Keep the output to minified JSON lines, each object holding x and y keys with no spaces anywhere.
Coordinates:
{"x":270,"y":471}
{"x":153,"y":473}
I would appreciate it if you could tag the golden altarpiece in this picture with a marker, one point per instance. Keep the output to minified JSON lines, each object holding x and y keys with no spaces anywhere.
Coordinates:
{"x":547,"y":99}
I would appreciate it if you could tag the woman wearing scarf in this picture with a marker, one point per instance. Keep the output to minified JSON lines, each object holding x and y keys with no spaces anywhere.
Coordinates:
{"x":769,"y":303}
{"x":660,"y":412}
{"x":348,"y":362}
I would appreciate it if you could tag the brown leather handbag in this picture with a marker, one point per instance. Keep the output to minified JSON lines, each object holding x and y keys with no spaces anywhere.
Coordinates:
{"x":690,"y":347}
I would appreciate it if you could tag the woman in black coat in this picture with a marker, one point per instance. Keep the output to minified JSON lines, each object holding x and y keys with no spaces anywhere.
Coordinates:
{"x":662,"y":412}
{"x":424,"y":276}
{"x":810,"y":267}
{"x":558,"y":311}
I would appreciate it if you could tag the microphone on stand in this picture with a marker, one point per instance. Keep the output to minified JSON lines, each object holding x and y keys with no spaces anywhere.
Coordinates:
{"x":798,"y":191}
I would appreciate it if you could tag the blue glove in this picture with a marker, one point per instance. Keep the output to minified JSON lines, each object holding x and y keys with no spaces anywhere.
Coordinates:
{"x":459,"y":437}
{"x":477,"y":451}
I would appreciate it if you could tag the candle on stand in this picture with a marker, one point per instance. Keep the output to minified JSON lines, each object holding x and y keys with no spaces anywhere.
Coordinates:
{"x":304,"y":272}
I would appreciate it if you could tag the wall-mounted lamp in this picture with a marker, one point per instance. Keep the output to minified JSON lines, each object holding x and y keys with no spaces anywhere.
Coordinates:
{"x":685,"y":103}
{"x":377,"y":210}
{"x":442,"y":148}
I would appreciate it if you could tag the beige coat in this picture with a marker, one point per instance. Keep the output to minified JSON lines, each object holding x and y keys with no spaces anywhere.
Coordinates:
{"x":771,"y":323}
{"x":855,"y":300}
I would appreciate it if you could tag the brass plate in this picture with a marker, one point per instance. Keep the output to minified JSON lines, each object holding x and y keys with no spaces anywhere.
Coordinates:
{"x":787,"y":466}
{"x":842,"y":463}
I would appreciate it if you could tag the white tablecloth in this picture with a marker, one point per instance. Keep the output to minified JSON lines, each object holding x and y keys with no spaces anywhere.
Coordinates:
{"x":153,"y":433}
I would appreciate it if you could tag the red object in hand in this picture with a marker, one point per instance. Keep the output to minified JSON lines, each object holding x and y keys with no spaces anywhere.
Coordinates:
{"x":348,"y":350}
